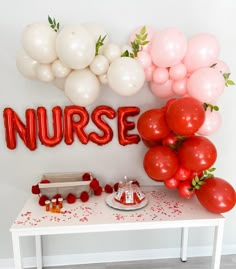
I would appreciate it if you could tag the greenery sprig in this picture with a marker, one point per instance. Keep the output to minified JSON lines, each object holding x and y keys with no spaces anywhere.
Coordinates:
{"x":198,"y":181}
{"x":53,"y":24}
{"x":212,"y":107}
{"x":99,"y":43}
{"x":137,"y":44}
{"x":228,"y":82}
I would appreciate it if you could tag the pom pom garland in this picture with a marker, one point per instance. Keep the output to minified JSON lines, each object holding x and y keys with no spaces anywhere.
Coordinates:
{"x":95,"y":188}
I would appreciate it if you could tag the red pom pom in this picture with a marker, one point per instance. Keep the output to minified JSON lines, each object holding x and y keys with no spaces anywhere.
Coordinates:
{"x":71,"y":199}
{"x":35,"y":189}
{"x":45,"y":181}
{"x":86,"y":177}
{"x":84,"y":196}
{"x":136,"y":183}
{"x":94,"y":184}
{"x":56,"y":196}
{"x":108,"y":188}
{"x":42,"y":200}
{"x":98,"y":192}
{"x":116,"y":186}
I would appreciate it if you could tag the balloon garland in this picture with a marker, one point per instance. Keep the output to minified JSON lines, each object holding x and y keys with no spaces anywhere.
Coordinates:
{"x":78,"y":59}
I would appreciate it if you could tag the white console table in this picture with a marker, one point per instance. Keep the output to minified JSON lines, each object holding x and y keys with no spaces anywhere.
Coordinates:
{"x":166,"y":209}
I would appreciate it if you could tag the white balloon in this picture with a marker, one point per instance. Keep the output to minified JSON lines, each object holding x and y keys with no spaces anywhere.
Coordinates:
{"x":125,"y":76}
{"x":44,"y":72}
{"x":75,"y":47}
{"x":60,"y":83}
{"x":82,"y":87}
{"x":25,"y":64}
{"x":103,"y":79}
{"x":111,"y":52}
{"x":60,"y":70}
{"x":39,"y":42}
{"x":99,"y":65}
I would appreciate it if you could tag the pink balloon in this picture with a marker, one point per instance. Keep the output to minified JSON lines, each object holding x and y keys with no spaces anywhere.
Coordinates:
{"x":211,"y":124}
{"x":162,"y":90}
{"x":221,"y":66}
{"x":203,"y":51}
{"x":144,"y":59}
{"x":149,"y":30}
{"x":180,"y":87}
{"x":206,"y":85}
{"x":149,"y":72}
{"x":178,"y":71}
{"x":168,"y":47}
{"x":160,"y":75}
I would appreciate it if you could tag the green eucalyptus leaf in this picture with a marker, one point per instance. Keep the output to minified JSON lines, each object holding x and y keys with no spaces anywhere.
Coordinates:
{"x":205,"y":106}
{"x":226,"y":75}
{"x":143,"y":30}
{"x":138,"y":36}
{"x":125,"y":54}
{"x":103,"y":38}
{"x":145,"y":43}
{"x":212,"y":169}
{"x":201,"y":183}
{"x":143,"y":38}
{"x":230,"y":82}
{"x":49,"y":19}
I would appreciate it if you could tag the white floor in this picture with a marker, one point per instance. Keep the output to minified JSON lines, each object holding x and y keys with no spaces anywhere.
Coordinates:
{"x":227,"y":262}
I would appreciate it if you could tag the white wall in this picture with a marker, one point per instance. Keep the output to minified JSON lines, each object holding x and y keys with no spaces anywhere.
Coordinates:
{"x":21,"y":168}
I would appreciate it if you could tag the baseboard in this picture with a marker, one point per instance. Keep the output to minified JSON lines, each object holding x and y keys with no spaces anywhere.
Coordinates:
{"x":104,"y":257}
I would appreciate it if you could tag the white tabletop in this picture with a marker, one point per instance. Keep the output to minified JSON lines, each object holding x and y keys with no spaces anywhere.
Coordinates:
{"x":164,"y":208}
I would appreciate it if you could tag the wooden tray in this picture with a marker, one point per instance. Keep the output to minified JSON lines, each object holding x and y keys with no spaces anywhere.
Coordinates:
{"x":64,"y":183}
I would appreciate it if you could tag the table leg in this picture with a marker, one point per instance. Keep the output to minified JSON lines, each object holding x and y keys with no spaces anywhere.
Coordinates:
{"x":16,"y":251}
{"x":184,"y":244}
{"x":38,"y":248}
{"x":218,"y":239}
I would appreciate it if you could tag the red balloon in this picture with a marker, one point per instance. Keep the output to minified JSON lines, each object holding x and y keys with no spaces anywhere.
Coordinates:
{"x":151,"y":143}
{"x":43,"y":132}
{"x":183,"y":173}
{"x":171,"y":183}
{"x":160,"y":163}
{"x":152,"y":125}
{"x":185,"y":189}
{"x":185,"y":116}
{"x":169,"y":102}
{"x":71,"y":125}
{"x":97,"y":118}
{"x":124,"y":126}
{"x":31,"y":129}
{"x":13,"y":125}
{"x":197,"y":153}
{"x":216,"y":195}
{"x":170,"y":140}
